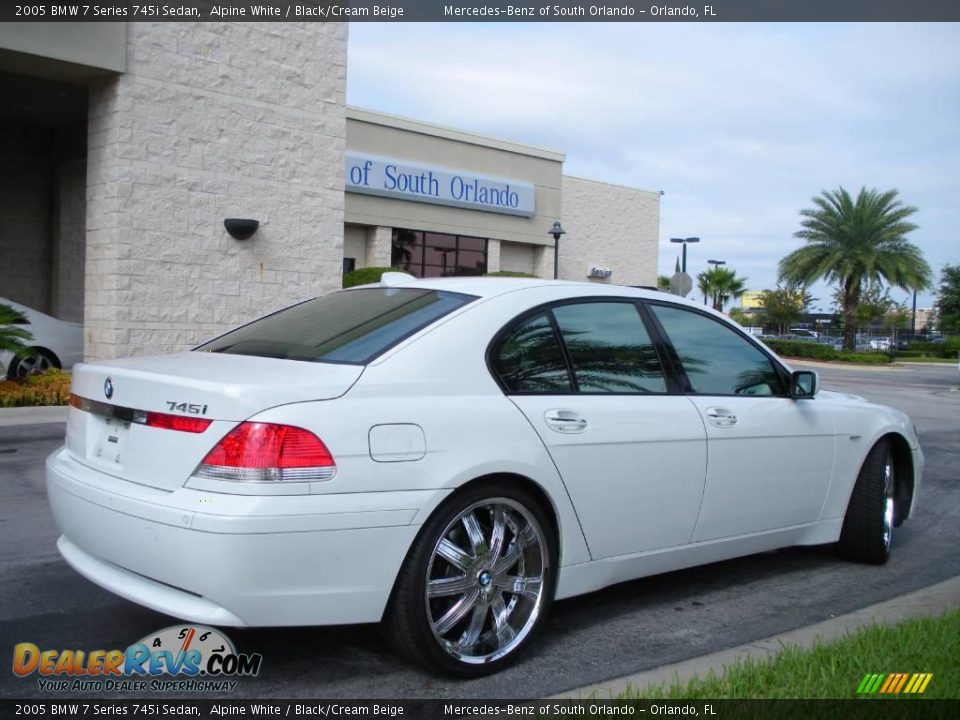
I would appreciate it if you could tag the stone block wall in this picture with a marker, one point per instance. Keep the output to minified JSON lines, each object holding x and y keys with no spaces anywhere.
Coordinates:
{"x":212,"y":120}
{"x":609,"y":226}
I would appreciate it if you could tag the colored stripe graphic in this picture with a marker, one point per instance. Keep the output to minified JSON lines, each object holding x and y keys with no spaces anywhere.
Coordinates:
{"x":888,"y":682}
{"x":902,"y":682}
{"x":894,"y":683}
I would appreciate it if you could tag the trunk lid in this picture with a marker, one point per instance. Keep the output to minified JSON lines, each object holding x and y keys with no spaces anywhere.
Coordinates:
{"x":225,"y":389}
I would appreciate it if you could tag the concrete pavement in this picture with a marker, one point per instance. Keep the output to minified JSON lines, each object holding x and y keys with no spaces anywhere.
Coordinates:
{"x":33,"y":415}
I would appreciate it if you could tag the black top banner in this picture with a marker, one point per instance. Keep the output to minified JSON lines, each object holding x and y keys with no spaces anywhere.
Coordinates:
{"x":483,"y":11}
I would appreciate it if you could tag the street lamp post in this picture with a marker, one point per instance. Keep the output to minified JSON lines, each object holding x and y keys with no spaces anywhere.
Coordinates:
{"x":715,"y":263}
{"x":557,"y":230}
{"x":684,"y":241}
{"x":913,"y":317}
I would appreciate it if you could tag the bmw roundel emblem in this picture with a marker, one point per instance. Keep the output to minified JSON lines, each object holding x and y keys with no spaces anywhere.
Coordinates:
{"x":108,"y":388}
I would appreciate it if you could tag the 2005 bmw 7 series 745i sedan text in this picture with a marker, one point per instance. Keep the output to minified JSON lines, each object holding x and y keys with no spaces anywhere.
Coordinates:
{"x":449,"y":456}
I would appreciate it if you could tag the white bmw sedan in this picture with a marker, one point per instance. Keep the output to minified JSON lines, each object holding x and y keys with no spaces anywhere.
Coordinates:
{"x":449,"y":456}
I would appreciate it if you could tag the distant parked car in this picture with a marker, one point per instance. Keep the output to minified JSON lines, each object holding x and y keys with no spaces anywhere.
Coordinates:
{"x":881,"y":343}
{"x":55,"y":343}
{"x":803,"y":333}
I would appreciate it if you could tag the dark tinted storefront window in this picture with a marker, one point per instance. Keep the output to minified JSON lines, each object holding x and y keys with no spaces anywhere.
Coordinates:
{"x":426,"y":254}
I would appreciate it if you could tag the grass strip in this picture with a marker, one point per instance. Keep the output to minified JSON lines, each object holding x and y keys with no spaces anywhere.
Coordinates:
{"x":836,"y":669}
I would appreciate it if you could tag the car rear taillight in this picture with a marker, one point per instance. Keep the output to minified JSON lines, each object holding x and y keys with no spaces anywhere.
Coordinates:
{"x":174,"y":422}
{"x":265,"y":452}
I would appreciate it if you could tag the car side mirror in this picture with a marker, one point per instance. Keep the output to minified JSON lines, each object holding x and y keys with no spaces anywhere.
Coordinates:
{"x":804,"y":384}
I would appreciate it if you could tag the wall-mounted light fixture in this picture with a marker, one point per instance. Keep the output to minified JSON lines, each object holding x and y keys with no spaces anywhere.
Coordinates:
{"x":241,"y":228}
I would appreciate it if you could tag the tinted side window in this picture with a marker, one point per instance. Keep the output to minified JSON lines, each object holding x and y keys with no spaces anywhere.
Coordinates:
{"x":610,"y":349}
{"x":530,"y":359}
{"x":717,"y":360}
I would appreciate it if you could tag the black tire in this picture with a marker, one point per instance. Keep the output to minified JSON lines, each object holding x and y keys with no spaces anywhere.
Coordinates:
{"x":868,"y":526}
{"x":29,"y":361}
{"x":472,"y":645}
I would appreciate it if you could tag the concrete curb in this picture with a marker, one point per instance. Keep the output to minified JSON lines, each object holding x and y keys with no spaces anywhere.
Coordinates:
{"x":897,"y":365}
{"x":33,"y":415}
{"x":889,"y":367}
{"x":927,"y":602}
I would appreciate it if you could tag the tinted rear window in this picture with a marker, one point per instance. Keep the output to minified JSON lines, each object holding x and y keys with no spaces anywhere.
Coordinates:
{"x":345,"y":327}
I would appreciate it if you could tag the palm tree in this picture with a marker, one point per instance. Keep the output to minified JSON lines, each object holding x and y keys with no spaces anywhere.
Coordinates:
{"x":720,"y":284}
{"x":703,"y":285}
{"x":854,"y":243}
{"x":11,"y":336}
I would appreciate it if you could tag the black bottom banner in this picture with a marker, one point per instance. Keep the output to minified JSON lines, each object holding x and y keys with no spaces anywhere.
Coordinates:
{"x":888,"y":709}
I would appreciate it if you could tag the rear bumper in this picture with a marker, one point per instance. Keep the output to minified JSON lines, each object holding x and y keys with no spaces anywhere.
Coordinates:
{"x":259,"y":561}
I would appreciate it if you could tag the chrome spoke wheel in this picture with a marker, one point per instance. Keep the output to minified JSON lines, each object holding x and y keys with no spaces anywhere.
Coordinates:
{"x":29,"y":364}
{"x":889,"y":487}
{"x":486,"y":580}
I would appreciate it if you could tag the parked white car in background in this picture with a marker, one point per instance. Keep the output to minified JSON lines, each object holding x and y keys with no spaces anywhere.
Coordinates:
{"x":55,"y":344}
{"x":449,"y":456}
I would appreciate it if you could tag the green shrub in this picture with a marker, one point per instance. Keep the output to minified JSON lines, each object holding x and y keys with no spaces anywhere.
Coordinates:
{"x":12,"y":335}
{"x":801,"y":349}
{"x":365,"y":276}
{"x":819,"y":351}
{"x":866,"y":358}
{"x":947,"y":349}
{"x":49,"y":388}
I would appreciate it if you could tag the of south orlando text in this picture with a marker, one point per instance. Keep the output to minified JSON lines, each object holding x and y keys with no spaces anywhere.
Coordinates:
{"x":561,"y":11}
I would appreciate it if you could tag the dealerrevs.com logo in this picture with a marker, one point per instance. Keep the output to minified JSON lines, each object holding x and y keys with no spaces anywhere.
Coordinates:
{"x":199,"y":659}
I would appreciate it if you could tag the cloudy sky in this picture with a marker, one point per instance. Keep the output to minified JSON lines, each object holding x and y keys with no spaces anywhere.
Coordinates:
{"x":739,"y":124}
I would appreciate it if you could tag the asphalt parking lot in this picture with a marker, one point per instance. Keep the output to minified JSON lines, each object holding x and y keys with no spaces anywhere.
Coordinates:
{"x":623,"y":629}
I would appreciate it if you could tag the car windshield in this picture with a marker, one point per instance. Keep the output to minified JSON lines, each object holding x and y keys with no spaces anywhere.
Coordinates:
{"x":353,"y":326}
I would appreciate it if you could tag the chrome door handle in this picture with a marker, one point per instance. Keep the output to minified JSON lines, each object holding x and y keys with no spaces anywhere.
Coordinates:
{"x":564,"y":421}
{"x":721,"y":417}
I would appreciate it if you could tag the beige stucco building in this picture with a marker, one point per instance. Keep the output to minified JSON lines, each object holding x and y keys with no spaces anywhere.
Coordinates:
{"x":135,"y":141}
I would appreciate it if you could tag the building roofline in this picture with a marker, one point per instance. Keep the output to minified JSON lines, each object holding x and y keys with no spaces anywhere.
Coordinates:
{"x":424,"y":128}
{"x":610,"y":184}
{"x":487,"y":286}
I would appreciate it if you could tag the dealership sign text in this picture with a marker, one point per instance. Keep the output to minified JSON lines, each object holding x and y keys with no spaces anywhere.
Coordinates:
{"x":406,"y":180}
